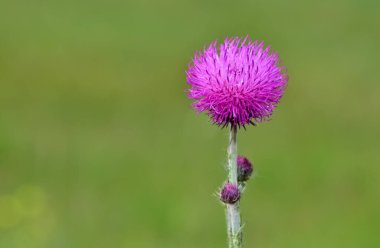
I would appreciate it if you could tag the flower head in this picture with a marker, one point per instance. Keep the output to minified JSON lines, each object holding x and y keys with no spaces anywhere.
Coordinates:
{"x":244,"y":169}
{"x":230,"y":193}
{"x":237,"y":83}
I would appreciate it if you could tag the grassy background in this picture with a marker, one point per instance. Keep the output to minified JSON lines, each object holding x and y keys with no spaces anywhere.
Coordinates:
{"x":99,"y":147}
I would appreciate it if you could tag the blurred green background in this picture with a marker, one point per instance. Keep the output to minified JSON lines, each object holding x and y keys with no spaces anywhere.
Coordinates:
{"x":99,"y":146}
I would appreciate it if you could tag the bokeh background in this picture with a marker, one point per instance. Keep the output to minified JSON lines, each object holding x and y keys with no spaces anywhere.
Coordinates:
{"x":99,"y":146}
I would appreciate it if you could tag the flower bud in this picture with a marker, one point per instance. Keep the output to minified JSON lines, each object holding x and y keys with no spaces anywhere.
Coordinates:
{"x":244,"y":169}
{"x":230,"y":193}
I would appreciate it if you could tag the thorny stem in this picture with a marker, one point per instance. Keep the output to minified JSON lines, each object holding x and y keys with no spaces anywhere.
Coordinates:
{"x":232,"y":211}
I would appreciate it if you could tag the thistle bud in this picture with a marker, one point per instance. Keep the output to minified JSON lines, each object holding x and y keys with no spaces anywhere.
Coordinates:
{"x":244,"y":168}
{"x":230,"y":193}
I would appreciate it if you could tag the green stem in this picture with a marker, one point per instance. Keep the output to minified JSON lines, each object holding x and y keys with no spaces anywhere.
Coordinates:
{"x":232,"y":211}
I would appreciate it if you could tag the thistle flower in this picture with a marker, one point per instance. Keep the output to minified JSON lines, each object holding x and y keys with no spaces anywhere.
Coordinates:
{"x":244,"y":169}
{"x":238,"y":83}
{"x":230,"y":193}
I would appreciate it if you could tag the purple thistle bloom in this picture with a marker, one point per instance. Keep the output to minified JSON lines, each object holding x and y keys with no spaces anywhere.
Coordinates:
{"x":238,"y":83}
{"x":230,"y":193}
